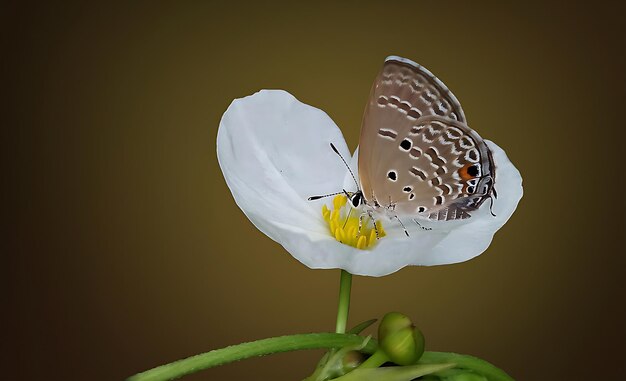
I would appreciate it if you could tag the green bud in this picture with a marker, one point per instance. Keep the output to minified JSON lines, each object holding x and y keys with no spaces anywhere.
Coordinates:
{"x":401,"y":341}
{"x":351,"y":360}
{"x":392,"y":322}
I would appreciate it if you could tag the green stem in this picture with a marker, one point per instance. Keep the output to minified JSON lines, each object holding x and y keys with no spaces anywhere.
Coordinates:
{"x":345,"y":284}
{"x":394,"y":373}
{"x":374,"y":361}
{"x":255,"y":348}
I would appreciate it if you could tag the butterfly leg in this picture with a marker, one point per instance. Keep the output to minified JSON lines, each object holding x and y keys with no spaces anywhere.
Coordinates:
{"x":360,"y":223}
{"x":420,"y":225}
{"x":363,"y":214}
{"x":391,"y":206}
{"x":401,"y":224}
{"x":369,"y":213}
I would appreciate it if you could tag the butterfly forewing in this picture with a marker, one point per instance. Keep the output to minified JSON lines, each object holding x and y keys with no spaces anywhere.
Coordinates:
{"x":417,"y":156}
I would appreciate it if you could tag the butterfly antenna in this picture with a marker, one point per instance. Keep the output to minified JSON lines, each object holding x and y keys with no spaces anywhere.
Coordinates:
{"x":347,"y":166}
{"x":324,"y":195}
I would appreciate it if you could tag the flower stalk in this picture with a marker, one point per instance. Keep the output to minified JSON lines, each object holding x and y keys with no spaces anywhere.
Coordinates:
{"x":345,"y":286}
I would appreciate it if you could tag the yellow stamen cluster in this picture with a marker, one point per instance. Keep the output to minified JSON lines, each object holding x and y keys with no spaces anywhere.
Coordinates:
{"x":344,"y":225}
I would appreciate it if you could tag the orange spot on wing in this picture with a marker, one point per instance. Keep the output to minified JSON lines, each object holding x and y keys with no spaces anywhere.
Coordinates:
{"x":464,"y":174}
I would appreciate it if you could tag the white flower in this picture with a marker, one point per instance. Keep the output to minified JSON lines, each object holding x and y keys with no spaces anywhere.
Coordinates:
{"x":274,"y":153}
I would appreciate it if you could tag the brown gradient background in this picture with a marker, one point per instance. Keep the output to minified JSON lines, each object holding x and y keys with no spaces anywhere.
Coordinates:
{"x":124,"y":248}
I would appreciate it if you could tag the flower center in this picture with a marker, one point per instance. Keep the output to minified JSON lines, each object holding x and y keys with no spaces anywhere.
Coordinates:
{"x":343,"y":223}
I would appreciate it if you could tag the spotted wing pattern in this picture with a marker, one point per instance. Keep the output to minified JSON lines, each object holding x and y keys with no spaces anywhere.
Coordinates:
{"x":417,"y":155}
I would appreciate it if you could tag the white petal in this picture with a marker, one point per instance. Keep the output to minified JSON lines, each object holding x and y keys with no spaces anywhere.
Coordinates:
{"x":321,"y":251}
{"x":274,"y":153}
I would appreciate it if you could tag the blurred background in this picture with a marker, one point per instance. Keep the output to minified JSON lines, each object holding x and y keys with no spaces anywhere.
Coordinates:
{"x":123,"y":248}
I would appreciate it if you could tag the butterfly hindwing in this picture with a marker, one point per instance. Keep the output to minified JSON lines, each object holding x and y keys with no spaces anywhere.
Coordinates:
{"x":417,"y":156}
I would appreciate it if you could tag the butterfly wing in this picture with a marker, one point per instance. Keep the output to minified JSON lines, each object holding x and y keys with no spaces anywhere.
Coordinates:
{"x":417,"y":156}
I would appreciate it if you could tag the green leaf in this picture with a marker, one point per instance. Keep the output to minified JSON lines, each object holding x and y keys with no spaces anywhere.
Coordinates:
{"x":472,"y":363}
{"x":255,"y":348}
{"x":361,"y":327}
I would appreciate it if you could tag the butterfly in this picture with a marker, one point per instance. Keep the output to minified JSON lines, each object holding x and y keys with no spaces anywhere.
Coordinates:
{"x":417,"y":156}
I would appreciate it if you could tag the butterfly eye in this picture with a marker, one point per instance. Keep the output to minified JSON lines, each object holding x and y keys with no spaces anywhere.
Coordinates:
{"x":356,"y":199}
